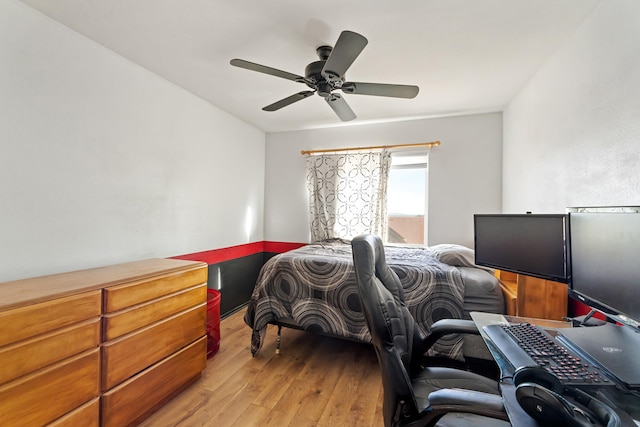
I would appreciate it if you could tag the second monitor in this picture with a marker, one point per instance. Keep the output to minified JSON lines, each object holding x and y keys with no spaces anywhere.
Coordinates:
{"x":532,"y":244}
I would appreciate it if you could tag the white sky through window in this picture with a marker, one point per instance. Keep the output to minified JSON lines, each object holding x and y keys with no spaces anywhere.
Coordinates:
{"x":406,"y":186}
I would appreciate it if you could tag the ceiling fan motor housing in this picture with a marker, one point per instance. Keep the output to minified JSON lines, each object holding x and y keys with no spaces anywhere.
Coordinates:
{"x":315,"y":79}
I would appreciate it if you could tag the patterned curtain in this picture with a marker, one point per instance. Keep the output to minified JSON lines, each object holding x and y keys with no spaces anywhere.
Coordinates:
{"x":348,"y":194}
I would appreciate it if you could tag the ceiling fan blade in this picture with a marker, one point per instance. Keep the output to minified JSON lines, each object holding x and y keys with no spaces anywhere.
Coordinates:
{"x":266,"y":70}
{"x":380,"y":89}
{"x":340,"y":107}
{"x":346,"y":50}
{"x":289,"y":100}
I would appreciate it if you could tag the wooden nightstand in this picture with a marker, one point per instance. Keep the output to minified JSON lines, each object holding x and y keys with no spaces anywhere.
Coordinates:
{"x":532,"y":297}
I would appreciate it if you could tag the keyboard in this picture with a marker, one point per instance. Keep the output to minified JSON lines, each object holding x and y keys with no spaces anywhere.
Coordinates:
{"x":524,"y":344}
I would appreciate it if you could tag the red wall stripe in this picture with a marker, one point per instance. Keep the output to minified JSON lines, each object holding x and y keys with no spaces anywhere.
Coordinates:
{"x":577,"y":308}
{"x":280,"y":247}
{"x":233,"y":252}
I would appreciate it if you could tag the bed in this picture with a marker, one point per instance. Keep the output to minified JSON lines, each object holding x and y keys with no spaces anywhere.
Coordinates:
{"x":314,"y":288}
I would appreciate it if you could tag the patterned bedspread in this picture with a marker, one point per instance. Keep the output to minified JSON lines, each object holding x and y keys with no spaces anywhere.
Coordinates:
{"x":315,"y":286}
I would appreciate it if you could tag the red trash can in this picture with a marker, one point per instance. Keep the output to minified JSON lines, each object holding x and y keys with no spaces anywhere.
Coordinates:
{"x":213,"y":322}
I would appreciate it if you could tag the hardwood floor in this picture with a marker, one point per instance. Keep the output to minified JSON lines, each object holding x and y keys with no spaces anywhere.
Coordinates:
{"x":314,"y":381}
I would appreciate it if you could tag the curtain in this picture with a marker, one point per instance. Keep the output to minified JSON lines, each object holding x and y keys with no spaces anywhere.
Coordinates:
{"x":348,"y":194}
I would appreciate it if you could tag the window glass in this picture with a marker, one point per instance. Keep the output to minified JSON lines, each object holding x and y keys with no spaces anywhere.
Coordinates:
{"x":406,"y":199}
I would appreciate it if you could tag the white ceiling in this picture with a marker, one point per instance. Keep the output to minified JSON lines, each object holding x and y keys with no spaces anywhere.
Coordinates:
{"x":467,"y":56}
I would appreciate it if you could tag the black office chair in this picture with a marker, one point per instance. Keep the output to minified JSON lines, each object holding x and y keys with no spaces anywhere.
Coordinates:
{"x":415,"y":395}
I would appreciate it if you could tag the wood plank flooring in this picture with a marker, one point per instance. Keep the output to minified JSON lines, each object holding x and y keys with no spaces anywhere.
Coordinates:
{"x":314,"y":381}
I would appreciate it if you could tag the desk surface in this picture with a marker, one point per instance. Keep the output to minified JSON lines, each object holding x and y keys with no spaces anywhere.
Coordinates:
{"x":517,"y":416}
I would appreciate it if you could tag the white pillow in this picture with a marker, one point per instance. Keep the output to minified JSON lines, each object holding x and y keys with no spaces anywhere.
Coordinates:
{"x":456,"y":256}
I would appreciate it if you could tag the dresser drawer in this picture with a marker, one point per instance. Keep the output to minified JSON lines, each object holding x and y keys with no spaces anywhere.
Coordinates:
{"x":126,"y":295}
{"x":28,"y":321}
{"x":88,"y":415}
{"x":151,"y":388}
{"x":48,"y":394}
{"x":126,"y":356}
{"x":26,"y":356}
{"x":128,"y":320}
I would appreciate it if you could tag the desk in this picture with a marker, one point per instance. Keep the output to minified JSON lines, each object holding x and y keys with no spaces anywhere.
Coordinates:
{"x":625,"y":400}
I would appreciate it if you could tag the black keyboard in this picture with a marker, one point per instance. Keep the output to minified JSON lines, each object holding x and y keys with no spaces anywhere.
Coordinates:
{"x":524,"y":344}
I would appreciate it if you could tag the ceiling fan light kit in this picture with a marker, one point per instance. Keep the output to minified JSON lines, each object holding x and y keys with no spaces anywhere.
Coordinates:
{"x":328,"y":75}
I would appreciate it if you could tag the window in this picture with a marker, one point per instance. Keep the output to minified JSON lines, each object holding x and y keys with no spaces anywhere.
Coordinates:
{"x":407,"y":198}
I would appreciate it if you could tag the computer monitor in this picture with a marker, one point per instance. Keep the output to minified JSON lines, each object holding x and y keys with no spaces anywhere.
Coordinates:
{"x":532,"y":244}
{"x":605,"y":258}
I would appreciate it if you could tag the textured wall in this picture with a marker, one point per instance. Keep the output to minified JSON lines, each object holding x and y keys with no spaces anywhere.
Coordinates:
{"x":103,"y":162}
{"x":572,"y":136}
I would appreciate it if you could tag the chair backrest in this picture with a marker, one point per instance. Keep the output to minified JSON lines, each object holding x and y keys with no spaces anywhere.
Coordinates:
{"x":393,"y":330}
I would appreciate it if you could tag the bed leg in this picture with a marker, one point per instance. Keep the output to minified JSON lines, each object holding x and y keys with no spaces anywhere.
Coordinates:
{"x":278,"y":339}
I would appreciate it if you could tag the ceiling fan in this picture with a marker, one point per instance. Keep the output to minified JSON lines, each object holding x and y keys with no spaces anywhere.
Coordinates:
{"x":328,"y":75}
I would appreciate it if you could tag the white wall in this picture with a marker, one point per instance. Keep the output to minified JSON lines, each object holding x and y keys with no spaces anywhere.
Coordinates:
{"x":464,"y":174}
{"x":103,"y":162}
{"x":572,"y":136}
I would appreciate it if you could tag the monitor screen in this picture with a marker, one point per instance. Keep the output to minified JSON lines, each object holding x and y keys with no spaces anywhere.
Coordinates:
{"x":531,"y":244}
{"x":605,"y":258}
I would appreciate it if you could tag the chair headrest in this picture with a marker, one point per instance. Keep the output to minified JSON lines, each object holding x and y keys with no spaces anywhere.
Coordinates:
{"x":376,"y":262}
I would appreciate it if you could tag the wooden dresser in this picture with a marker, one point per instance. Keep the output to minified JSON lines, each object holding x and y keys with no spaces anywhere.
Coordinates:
{"x":527,"y":296}
{"x":100,"y":347}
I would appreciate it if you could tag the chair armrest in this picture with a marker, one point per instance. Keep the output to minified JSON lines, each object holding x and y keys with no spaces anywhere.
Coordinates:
{"x":470,"y":401}
{"x":449,"y":326}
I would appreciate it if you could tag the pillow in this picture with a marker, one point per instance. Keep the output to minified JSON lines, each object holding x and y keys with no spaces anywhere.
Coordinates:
{"x":456,"y":256}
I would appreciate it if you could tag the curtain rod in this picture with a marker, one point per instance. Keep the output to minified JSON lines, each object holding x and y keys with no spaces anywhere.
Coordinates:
{"x":375,"y":147}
